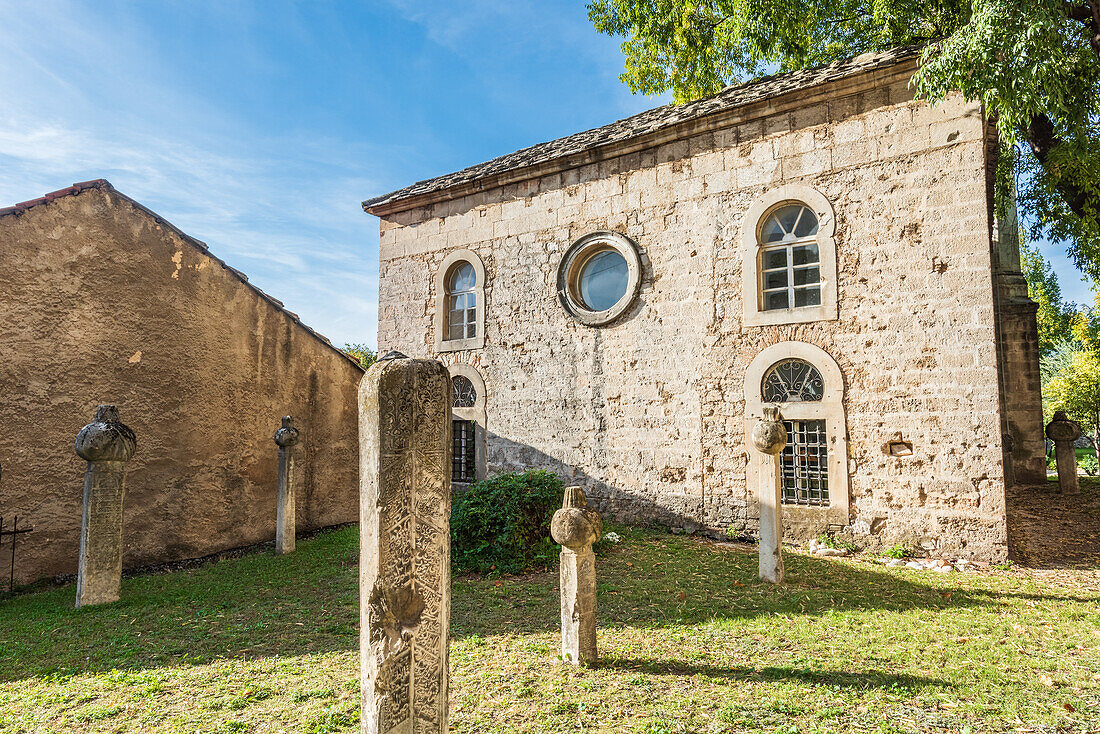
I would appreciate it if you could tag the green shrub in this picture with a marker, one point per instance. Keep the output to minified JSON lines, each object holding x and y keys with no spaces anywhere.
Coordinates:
{"x":897,"y":551}
{"x":503,"y":524}
{"x":1088,"y":463}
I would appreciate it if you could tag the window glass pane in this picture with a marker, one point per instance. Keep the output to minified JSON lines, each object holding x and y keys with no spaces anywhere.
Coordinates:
{"x":804,"y":254}
{"x":455,"y":331}
{"x":807,"y":296}
{"x":771,"y":231}
{"x":603,"y":280}
{"x":462,"y":278}
{"x":775,"y":259}
{"x":777,"y":299}
{"x":804,"y":276}
{"x":807,"y":224}
{"x":787,"y":216}
{"x":776,"y":279}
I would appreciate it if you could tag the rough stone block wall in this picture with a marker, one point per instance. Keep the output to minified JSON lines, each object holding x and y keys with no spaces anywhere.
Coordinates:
{"x":104,"y":304}
{"x":648,"y":412}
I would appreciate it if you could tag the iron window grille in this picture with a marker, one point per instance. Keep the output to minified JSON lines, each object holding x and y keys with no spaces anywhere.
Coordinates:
{"x":463,"y":456}
{"x":464,"y":392}
{"x":804,"y":464}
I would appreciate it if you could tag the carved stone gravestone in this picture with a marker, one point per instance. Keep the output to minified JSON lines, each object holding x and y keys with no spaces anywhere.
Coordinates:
{"x":770,"y":438}
{"x":404,"y":569}
{"x":1064,"y":432}
{"x":285,"y":438}
{"x":106,"y":444}
{"x":576,"y":527}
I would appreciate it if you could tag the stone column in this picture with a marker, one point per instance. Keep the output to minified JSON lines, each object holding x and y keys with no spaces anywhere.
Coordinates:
{"x":770,"y":438}
{"x":285,"y":438}
{"x":1063,"y":432}
{"x":576,"y":527}
{"x":106,"y":444}
{"x":405,"y":545}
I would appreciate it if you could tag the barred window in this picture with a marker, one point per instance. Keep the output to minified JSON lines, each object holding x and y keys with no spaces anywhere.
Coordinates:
{"x":804,"y":464}
{"x":463,"y":455}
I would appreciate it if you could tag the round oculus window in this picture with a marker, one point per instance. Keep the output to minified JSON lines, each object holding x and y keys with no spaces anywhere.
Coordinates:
{"x":599,"y":277}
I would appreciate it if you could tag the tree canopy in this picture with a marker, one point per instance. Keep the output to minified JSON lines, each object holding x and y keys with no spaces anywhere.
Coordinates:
{"x":1056,"y":319}
{"x":1034,"y":64}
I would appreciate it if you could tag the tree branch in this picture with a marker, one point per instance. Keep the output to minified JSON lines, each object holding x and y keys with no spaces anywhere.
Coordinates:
{"x":1088,"y":12}
{"x":1042,"y":138}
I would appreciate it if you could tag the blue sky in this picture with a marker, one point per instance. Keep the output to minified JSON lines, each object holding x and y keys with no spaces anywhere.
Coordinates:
{"x":260,"y":127}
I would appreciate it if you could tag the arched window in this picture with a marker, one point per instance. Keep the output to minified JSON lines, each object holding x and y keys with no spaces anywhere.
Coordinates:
{"x":789,"y":266}
{"x":792,"y":380}
{"x":465,"y":394}
{"x":467,"y":424}
{"x":460,"y":302}
{"x":806,"y":384}
{"x":790,"y":271}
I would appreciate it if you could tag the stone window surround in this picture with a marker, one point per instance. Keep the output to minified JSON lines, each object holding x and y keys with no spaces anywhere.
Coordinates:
{"x":754,"y":313}
{"x":442,"y":344}
{"x":830,"y":409}
{"x":569,"y":270}
{"x":477,"y":413}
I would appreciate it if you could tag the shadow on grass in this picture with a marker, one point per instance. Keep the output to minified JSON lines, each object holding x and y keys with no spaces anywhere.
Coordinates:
{"x":264,"y":605}
{"x":657,"y":580}
{"x":842,"y":678}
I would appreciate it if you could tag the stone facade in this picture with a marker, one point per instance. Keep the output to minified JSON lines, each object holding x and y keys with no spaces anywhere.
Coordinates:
{"x":925,"y":331}
{"x":105,"y":302}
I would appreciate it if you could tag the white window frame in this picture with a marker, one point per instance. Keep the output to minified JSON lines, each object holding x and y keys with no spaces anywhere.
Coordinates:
{"x":759,"y":476}
{"x":752,"y":289}
{"x":442,"y":306}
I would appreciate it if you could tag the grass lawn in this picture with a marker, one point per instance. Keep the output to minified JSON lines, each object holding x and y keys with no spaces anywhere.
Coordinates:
{"x":689,"y":641}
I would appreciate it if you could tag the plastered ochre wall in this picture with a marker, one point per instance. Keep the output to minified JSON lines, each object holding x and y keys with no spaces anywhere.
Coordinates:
{"x":100,"y":303}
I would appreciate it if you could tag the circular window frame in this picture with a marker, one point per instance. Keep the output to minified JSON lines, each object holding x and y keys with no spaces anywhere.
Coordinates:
{"x":569,"y":271}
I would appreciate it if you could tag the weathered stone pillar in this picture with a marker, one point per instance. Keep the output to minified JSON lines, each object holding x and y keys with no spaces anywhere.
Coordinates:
{"x":285,"y":438}
{"x":770,"y":438}
{"x":405,"y":545}
{"x":1063,"y":432}
{"x":106,"y":444}
{"x":576,"y":527}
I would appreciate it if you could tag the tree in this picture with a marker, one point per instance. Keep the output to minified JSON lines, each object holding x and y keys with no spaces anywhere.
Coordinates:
{"x":1076,"y":390}
{"x":1056,"y":318}
{"x":1035,"y":64}
{"x":363,"y":353}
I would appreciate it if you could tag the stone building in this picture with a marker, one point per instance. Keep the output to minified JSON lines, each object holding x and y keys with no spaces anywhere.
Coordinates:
{"x":619,"y":305}
{"x":102,"y":301}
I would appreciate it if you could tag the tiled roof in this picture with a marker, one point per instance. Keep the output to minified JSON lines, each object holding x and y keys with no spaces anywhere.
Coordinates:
{"x":104,"y":185}
{"x":652,"y":121}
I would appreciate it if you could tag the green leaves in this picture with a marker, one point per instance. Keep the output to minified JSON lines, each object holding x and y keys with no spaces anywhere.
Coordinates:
{"x":502,"y":524}
{"x":1034,"y":64}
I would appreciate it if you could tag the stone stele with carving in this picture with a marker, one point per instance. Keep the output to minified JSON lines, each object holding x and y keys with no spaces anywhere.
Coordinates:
{"x":576,"y":527}
{"x":106,"y":444}
{"x":404,"y":582}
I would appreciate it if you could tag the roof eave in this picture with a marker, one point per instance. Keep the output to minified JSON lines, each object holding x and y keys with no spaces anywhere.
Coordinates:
{"x":394,"y":202}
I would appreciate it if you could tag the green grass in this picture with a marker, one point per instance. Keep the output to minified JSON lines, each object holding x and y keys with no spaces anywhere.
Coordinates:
{"x":689,"y":642}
